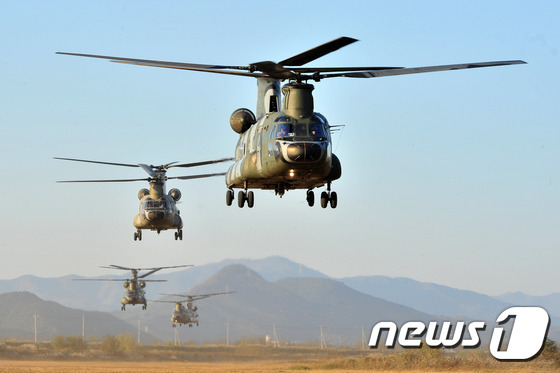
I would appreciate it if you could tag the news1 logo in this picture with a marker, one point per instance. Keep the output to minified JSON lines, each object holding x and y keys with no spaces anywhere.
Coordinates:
{"x":526,"y":338}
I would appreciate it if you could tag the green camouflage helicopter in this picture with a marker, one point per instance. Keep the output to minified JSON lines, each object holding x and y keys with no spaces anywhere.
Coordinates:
{"x":134,"y":287}
{"x":288,"y":146}
{"x":186,"y":314}
{"x":158,"y":209}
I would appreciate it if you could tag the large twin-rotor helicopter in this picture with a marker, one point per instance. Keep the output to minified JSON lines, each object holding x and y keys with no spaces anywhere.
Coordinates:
{"x":285,"y":147}
{"x":186,"y":314}
{"x":134,"y":287}
{"x":158,"y":210}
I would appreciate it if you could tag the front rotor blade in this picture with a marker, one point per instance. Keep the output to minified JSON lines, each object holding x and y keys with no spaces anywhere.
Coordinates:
{"x":218,"y":69}
{"x":114,"y":266}
{"x":417,"y":70}
{"x":319,"y":51}
{"x":103,"y":181}
{"x":98,"y":279}
{"x":203,"y":163}
{"x":149,"y":273}
{"x":148,"y":169}
{"x":154,"y":62}
{"x":196,"y":176}
{"x":98,"y":162}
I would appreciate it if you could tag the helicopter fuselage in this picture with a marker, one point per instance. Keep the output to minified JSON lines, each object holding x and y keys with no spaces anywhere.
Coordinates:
{"x":184,"y":314}
{"x":134,"y":294}
{"x":158,"y":214}
{"x":288,"y":149}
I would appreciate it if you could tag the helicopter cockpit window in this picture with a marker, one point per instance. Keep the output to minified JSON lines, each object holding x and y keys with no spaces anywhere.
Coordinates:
{"x":317,"y":130}
{"x":151,"y":204}
{"x":300,"y":129}
{"x":283,"y":130}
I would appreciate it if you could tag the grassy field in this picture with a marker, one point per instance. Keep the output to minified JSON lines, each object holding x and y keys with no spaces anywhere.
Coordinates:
{"x":28,"y":357}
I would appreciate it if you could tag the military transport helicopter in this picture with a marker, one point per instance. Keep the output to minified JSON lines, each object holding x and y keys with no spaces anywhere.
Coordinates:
{"x":187,"y":314}
{"x":288,"y":147}
{"x":158,"y":210}
{"x":134,"y":293}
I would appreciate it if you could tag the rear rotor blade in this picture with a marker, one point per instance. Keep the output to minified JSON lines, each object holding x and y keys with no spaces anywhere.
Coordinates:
{"x":103,"y":181}
{"x":417,"y":70}
{"x":148,"y":170}
{"x":319,"y":51}
{"x":203,"y":163}
{"x":195,"y":176}
{"x":98,"y":162}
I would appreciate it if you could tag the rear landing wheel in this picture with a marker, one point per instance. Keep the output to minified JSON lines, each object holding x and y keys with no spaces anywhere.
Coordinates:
{"x":333,"y":200}
{"x":250,"y":199}
{"x":241,"y":197}
{"x":310,"y":198}
{"x":324,"y":199}
{"x":229,"y":197}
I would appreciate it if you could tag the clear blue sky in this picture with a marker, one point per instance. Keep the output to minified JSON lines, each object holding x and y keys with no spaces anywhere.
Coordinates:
{"x":449,"y":177}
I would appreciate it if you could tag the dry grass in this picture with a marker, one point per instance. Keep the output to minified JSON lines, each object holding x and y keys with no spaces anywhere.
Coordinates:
{"x":27,"y":357}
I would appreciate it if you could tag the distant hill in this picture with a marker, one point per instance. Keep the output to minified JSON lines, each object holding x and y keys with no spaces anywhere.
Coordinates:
{"x":105,"y":296}
{"x":425,"y":297}
{"x":430,"y":298}
{"x":550,"y":302}
{"x":17,"y":319}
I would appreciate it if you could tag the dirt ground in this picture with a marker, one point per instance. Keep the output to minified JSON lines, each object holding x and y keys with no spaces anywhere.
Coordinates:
{"x":174,"y":367}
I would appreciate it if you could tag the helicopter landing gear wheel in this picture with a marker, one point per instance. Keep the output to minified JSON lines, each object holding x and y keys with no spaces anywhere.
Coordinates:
{"x":241,"y":197}
{"x":250,"y":199}
{"x":329,"y":197}
{"x":173,"y":325}
{"x":310,"y":198}
{"x":179,"y":235}
{"x":123,"y":307}
{"x":229,"y":197}
{"x":324,"y":199}
{"x":144,"y":307}
{"x":138,"y":235}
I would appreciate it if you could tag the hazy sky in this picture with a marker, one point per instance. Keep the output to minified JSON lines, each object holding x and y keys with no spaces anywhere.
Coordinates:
{"x":449,"y":177}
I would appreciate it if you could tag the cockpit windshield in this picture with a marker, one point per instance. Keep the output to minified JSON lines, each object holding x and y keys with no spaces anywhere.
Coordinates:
{"x":151,"y":204}
{"x":314,"y":129}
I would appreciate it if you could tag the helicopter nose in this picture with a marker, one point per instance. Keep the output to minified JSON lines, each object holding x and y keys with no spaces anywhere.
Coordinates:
{"x":304,"y":152}
{"x":154,"y":215}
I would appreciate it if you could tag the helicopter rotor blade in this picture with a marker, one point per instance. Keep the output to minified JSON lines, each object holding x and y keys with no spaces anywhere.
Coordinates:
{"x":98,"y":162}
{"x":103,"y":181}
{"x":197,"y":296}
{"x":195,"y":176}
{"x":417,"y":70}
{"x":203,"y":163}
{"x":149,"y":170}
{"x":317,"y":52}
{"x":114,"y":266}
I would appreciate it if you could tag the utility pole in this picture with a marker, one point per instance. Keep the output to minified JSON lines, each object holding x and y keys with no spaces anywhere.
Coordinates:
{"x":138,"y":331}
{"x":84,"y":328}
{"x":363,"y":339}
{"x":227,"y":333}
{"x":323,"y":342}
{"x":36,"y":326}
{"x":275,"y":342}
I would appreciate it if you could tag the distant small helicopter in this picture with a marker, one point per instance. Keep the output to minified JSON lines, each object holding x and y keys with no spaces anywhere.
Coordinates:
{"x":134,"y":293}
{"x":187,"y":314}
{"x":158,"y":210}
{"x":288,"y":147}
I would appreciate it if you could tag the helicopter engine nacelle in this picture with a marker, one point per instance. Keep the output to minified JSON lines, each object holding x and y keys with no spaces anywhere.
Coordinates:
{"x":241,"y":120}
{"x":143,"y":193}
{"x":142,"y":284}
{"x":175,"y":194}
{"x":195,"y":308}
{"x":125,"y":284}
